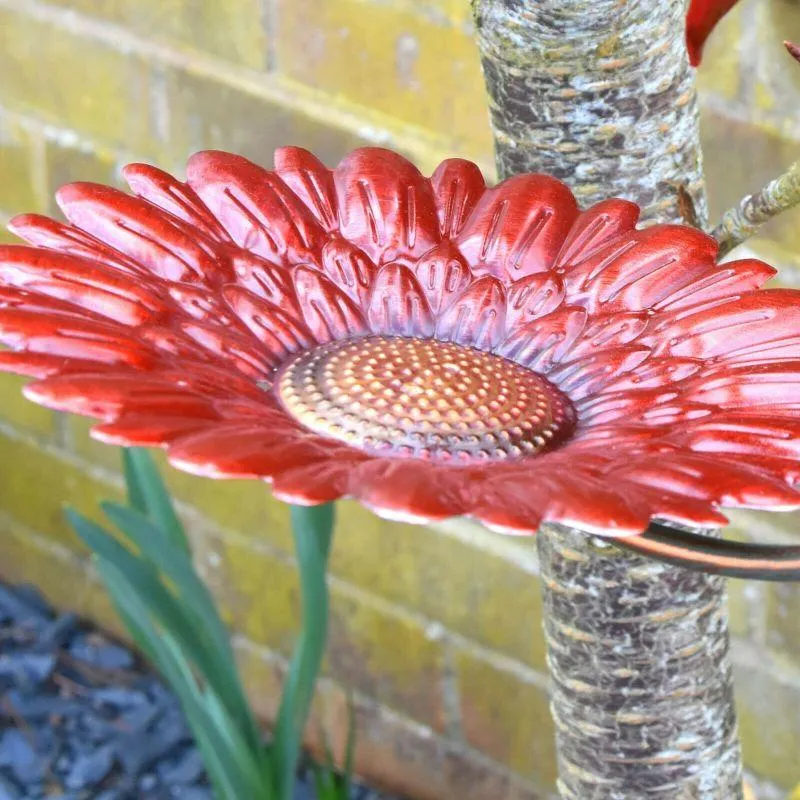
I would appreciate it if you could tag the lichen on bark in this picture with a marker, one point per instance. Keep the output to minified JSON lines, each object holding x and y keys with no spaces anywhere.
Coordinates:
{"x":600,"y":94}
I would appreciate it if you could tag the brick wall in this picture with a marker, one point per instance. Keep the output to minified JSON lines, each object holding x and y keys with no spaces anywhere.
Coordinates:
{"x":436,"y":631}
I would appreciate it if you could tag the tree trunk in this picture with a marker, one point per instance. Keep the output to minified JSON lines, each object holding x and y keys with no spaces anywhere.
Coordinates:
{"x":642,"y":684}
{"x":600,"y":94}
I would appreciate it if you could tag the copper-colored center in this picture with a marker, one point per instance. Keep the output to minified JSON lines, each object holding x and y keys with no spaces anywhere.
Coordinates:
{"x":424,"y":398}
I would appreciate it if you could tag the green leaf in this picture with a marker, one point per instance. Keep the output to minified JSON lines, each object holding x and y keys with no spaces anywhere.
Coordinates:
{"x":175,"y":564}
{"x":148,"y":494}
{"x":312,"y":528}
{"x":229,"y":763}
{"x":182,"y":621}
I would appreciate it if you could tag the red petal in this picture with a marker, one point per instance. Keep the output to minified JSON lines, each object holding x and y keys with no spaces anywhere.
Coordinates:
{"x":66,"y":336}
{"x":198,"y":304}
{"x":311,"y":181}
{"x":146,"y":430}
{"x":660,"y":406}
{"x":398,"y":305}
{"x":719,"y":281}
{"x":409,"y":490}
{"x":533,"y":297}
{"x":606,"y":331}
{"x":267,"y":279}
{"x":51,"y":235}
{"x":749,"y":438}
{"x":733,"y":484}
{"x":478,"y":317}
{"x":592,"y":373}
{"x":327,"y":311}
{"x":547,"y":340}
{"x":173,"y":196}
{"x":597,"y":227}
{"x":256,"y":207}
{"x":43,"y":365}
{"x":510,"y":507}
{"x":349,"y":268}
{"x":457,"y":185}
{"x":589,"y":504}
{"x":80,"y":282}
{"x":320,"y":482}
{"x":442,"y":273}
{"x":238,"y":352}
{"x":701,"y":18}
{"x":756,"y":327}
{"x":386,"y":207}
{"x":164,"y":245}
{"x":654,"y":373}
{"x":98,"y":394}
{"x":279,"y":333}
{"x":748,"y":388}
{"x":518,"y":227}
{"x":172,"y":341}
{"x":642,"y":269}
{"x":247,"y":451}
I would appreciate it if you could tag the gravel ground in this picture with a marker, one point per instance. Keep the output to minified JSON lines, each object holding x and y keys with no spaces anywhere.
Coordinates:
{"x":80,"y":718}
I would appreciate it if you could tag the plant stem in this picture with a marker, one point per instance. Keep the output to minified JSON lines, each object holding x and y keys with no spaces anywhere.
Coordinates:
{"x":743,"y":220}
{"x":312,"y":529}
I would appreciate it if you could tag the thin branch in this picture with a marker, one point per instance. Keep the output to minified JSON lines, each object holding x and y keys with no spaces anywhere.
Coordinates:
{"x":744,"y":220}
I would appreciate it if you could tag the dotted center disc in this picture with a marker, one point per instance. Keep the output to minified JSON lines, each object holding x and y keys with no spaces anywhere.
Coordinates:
{"x":423,"y":398}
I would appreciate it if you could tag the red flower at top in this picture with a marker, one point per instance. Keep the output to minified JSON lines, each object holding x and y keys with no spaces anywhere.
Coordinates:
{"x":430,"y":347}
{"x":702,"y":17}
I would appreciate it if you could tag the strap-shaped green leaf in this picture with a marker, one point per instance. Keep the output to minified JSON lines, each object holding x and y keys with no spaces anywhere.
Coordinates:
{"x":148,"y":494}
{"x":175,"y":565}
{"x":180,"y":620}
{"x":229,"y":762}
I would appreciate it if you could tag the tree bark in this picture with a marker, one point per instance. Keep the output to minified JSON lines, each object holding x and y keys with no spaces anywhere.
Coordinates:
{"x":600,"y":94}
{"x":642,"y":685}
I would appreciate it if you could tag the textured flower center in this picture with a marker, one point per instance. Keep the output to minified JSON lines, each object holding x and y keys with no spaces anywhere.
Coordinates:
{"x":423,"y":398}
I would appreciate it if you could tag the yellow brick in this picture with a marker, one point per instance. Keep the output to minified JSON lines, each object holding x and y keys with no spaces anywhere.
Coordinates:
{"x":391,"y":60}
{"x":720,"y":72}
{"x":769,"y":724}
{"x":481,"y":595}
{"x":507,"y":718}
{"x":206,"y":113}
{"x":231,"y":29}
{"x":41,"y":484}
{"x":379,"y":654}
{"x":18,"y":149}
{"x":386,"y":657}
{"x":21,"y":413}
{"x":258,"y":594}
{"x":73,"y":81}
